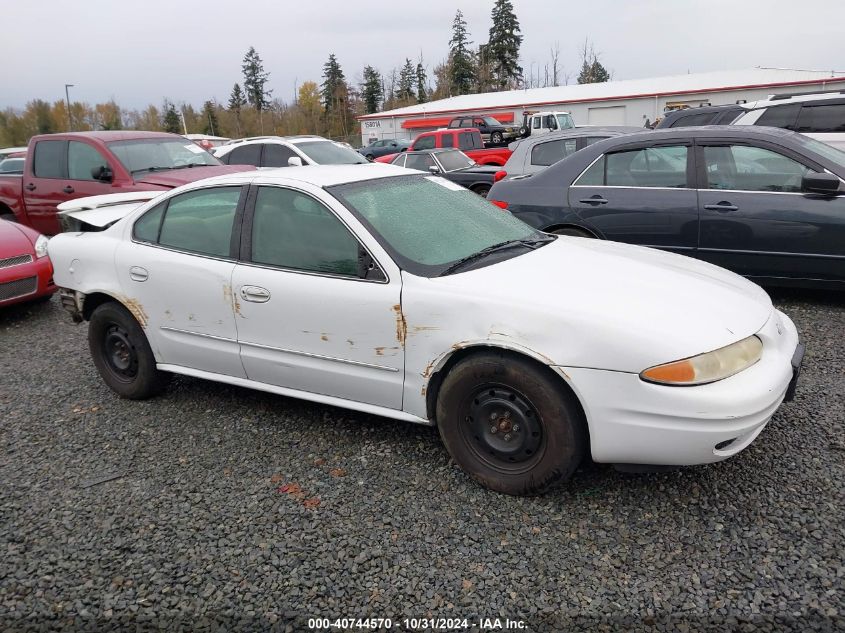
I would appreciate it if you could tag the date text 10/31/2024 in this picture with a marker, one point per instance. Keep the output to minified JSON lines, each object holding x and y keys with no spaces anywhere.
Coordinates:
{"x":417,"y":624}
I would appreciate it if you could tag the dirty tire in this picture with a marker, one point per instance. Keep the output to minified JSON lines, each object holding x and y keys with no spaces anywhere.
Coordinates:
{"x":540,"y":434}
{"x":370,"y":157}
{"x":122,"y":354}
{"x":496,"y":138}
{"x":523,"y":131}
{"x":574,"y":232}
{"x":482,"y":190}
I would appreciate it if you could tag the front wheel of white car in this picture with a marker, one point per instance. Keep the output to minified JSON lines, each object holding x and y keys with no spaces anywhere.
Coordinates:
{"x":122,"y":354}
{"x":510,"y":424}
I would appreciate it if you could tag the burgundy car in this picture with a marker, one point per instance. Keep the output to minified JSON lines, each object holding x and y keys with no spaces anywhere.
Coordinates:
{"x":26,"y":273}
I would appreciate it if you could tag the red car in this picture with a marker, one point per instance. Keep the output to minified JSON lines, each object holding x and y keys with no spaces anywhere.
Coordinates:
{"x":25,"y":269}
{"x":468,"y":140}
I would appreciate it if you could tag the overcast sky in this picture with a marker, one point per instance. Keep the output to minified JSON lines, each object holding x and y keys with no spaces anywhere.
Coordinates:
{"x":191,"y":50}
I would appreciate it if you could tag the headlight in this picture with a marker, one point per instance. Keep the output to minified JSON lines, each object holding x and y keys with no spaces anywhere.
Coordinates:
{"x":41,"y":246}
{"x":708,"y":367}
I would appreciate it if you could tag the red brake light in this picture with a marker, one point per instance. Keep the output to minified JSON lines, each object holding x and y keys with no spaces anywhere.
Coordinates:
{"x":499,"y":175}
{"x":500,"y":203}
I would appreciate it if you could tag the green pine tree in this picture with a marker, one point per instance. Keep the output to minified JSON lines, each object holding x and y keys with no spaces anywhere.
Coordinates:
{"x":335,"y":96}
{"x":592,"y":72}
{"x":372,"y":90}
{"x":422,"y":83}
{"x":503,"y":45}
{"x":236,"y":102}
{"x":255,"y":81}
{"x":209,"y":115}
{"x":462,"y":67}
{"x":407,"y":78}
{"x":170,"y":120}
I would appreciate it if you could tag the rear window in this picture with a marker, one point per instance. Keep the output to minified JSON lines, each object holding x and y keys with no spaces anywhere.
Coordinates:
{"x":780,"y":116}
{"x":469,"y":140}
{"x":425,"y":142}
{"x":245,"y":155}
{"x":49,"y":160}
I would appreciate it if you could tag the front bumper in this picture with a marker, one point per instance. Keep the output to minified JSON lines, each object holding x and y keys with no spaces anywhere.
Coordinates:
{"x":26,"y":282}
{"x":635,"y":422}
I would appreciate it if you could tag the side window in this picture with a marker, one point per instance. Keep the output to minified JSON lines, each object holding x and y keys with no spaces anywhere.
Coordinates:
{"x":419,"y":161}
{"x":538,"y":121}
{"x":593,"y":176}
{"x":147,"y":226}
{"x":399,"y":160}
{"x":245,"y":155}
{"x":745,"y":168}
{"x":201,"y":221}
{"x":692,"y":120}
{"x":821,"y":118}
{"x":466,"y":140}
{"x":82,"y":159}
{"x":553,"y":151}
{"x":648,"y":167}
{"x":293,"y":230}
{"x":589,"y":140}
{"x":277,"y":155}
{"x":49,"y":161}
{"x":425,"y":142}
{"x":780,"y":116}
{"x":466,"y":122}
{"x":447,"y":140}
{"x":479,"y":123}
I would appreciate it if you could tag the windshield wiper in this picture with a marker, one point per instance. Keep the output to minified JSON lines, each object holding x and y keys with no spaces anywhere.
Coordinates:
{"x":531,"y":243}
{"x":189,"y":165}
{"x":154,"y":168}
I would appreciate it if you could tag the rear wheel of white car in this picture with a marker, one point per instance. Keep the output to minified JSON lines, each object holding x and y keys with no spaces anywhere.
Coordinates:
{"x":122,"y":354}
{"x":510,"y":424}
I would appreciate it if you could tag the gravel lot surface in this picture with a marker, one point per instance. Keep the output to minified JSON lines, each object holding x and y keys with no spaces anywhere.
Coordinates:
{"x":219,"y":508}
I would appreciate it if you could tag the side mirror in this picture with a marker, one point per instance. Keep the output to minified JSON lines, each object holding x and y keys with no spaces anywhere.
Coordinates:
{"x":294,"y":161}
{"x":404,"y":149}
{"x":434,"y":169}
{"x":820,"y":183}
{"x":102,"y":173}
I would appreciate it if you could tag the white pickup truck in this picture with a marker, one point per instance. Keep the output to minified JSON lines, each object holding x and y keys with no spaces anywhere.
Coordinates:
{"x":544,"y":122}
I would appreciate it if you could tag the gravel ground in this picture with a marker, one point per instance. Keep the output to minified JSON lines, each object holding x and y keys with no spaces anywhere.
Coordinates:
{"x":219,"y":508}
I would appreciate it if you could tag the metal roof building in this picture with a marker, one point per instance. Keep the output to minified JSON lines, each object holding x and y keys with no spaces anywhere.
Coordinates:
{"x":625,"y":102}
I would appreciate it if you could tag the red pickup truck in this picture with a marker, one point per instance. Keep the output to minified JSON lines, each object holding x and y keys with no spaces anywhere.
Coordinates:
{"x":468,"y":140}
{"x":61,"y":167}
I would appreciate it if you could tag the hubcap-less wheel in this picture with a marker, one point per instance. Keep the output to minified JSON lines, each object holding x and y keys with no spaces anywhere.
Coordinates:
{"x":503,"y":429}
{"x":497,"y":138}
{"x":120,"y":355}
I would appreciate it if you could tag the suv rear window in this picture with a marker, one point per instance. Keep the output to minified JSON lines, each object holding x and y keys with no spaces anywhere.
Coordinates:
{"x":780,"y":116}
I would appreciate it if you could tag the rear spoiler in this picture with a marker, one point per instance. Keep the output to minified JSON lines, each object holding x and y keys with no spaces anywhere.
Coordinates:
{"x":97,"y":213}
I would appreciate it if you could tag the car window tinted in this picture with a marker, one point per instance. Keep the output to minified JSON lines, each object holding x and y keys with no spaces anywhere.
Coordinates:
{"x":648,"y":167}
{"x":780,"y":116}
{"x":744,"y":168}
{"x":425,"y":142}
{"x":146,"y":227}
{"x":293,"y":230}
{"x":699,"y":118}
{"x":821,"y":118}
{"x":548,"y":153}
{"x":593,"y":176}
{"x":447,"y":140}
{"x":399,"y":160}
{"x":277,"y":155}
{"x":245,"y":155}
{"x":469,"y":140}
{"x":201,"y":221}
{"x":82,"y":159}
{"x":419,"y":161}
{"x":466,"y":122}
{"x":49,"y":161}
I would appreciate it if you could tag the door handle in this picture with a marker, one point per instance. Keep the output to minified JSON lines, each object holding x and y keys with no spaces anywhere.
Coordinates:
{"x":30,"y":187}
{"x":723,"y":207}
{"x":136,"y":273}
{"x":256,"y":294}
{"x":68,"y":189}
{"x":596,"y":199}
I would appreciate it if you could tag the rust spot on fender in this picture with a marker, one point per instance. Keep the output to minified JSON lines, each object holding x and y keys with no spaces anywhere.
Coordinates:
{"x":424,"y":328}
{"x":351,"y":342}
{"x":427,"y":371}
{"x":324,"y":337}
{"x":422,"y":392}
{"x":136,"y":309}
{"x":227,"y":293}
{"x":401,"y":325}
{"x":379,"y":351}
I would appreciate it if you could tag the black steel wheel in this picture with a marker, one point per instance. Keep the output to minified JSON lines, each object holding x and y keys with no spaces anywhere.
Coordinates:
{"x":122,"y":353}
{"x":482,"y":190}
{"x":510,"y":423}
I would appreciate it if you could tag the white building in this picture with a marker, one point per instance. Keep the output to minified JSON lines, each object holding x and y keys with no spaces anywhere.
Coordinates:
{"x":627,"y":102}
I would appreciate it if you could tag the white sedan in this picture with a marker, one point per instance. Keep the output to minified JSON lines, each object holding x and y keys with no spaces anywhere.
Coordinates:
{"x":404,"y":295}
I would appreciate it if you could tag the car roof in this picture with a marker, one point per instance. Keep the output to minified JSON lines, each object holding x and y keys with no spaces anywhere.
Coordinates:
{"x":118,"y":135}
{"x":725,"y":131}
{"x":576,"y":132}
{"x":317,"y":175}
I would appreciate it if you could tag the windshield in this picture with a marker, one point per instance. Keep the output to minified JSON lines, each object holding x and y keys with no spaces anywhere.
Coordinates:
{"x":11,"y":166}
{"x":328,"y":153}
{"x":491,"y":121}
{"x":830,"y":152}
{"x":156,"y":154}
{"x":454,"y":160}
{"x":565,"y":121}
{"x":427,"y":223}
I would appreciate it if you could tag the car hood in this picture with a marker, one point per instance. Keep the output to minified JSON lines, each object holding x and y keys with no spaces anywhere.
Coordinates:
{"x":479,"y":169}
{"x":13,"y":240}
{"x":605,"y":305}
{"x":177,"y":177}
